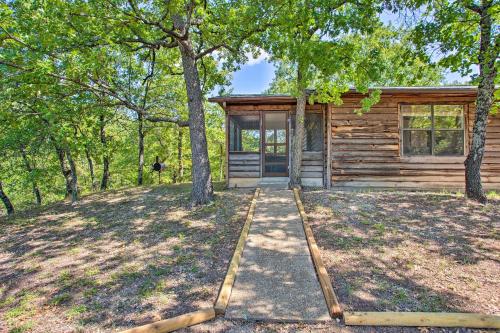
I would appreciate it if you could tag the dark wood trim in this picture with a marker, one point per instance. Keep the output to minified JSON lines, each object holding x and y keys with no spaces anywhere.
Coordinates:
{"x":244,"y":152}
{"x":262,"y":152}
{"x":329,"y":146}
{"x":227,"y":151}
{"x":391,"y":92}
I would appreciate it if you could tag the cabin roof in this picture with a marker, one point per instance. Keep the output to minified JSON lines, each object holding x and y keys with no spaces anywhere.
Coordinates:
{"x":280,"y":98}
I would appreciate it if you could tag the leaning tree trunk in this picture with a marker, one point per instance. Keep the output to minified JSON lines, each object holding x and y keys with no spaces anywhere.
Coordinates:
{"x":64,"y":170}
{"x":298,"y":134}
{"x":180,"y":165}
{"x":140,"y":134}
{"x":74,"y":177}
{"x":105,"y":159}
{"x":91,"y":169}
{"x":6,"y":201}
{"x":29,"y":168}
{"x":202,"y":191}
{"x":487,"y":56}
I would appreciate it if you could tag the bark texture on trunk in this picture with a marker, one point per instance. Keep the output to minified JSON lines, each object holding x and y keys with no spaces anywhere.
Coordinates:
{"x":6,"y":201}
{"x":221,"y":163}
{"x":140,"y":134}
{"x":61,"y":156}
{"x":202,"y":191}
{"x":105,"y":159}
{"x":91,"y":169}
{"x":179,"y":174}
{"x":488,"y":53}
{"x":29,"y":168}
{"x":298,"y":134}
{"x":74,"y":176}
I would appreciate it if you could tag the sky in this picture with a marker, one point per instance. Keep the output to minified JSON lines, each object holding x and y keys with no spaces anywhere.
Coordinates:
{"x":255,"y":76}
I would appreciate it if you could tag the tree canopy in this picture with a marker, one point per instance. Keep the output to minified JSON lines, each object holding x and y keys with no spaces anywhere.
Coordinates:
{"x":92,"y":91}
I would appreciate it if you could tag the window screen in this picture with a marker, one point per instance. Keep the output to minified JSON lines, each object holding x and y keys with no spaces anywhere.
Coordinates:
{"x":244,"y":133}
{"x":432,"y":130}
{"x":313,"y":131}
{"x":313,"y":125}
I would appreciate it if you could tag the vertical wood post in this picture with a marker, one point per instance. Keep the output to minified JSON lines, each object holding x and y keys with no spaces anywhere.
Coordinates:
{"x":226,"y":167}
{"x":329,"y":146}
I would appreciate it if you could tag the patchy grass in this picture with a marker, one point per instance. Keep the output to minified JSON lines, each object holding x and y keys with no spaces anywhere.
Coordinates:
{"x":115,"y":260}
{"x":409,"y":251}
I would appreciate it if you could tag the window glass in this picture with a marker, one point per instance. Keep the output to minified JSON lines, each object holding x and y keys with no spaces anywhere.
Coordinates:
{"x":417,"y":116}
{"x":281,"y":135}
{"x":270,"y":135}
{"x":244,"y":133}
{"x":432,"y":130}
{"x":417,"y":142}
{"x":281,"y":149}
{"x":448,"y":116}
{"x":449,"y":143}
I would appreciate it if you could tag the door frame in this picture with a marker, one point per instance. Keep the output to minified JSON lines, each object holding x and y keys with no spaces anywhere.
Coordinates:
{"x":263,"y":144}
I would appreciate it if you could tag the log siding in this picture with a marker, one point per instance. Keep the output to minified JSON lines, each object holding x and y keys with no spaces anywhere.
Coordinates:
{"x":366,"y":150}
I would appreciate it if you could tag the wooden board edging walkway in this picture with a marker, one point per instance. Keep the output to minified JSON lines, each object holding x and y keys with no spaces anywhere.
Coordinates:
{"x":419,"y":319}
{"x":324,"y":279}
{"x":226,"y":287}
{"x":175,"y":323}
{"x":197,"y":317}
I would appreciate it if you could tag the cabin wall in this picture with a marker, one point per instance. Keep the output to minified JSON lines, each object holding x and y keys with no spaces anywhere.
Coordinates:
{"x":245,"y":169}
{"x":366,"y":149}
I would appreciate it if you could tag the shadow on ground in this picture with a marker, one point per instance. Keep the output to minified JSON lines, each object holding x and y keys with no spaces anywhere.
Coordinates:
{"x":408,"y":251}
{"x":116,"y":259}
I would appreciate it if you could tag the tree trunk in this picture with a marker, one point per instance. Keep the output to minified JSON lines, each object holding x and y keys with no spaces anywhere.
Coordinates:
{"x":91,"y":169}
{"x":298,"y":135}
{"x":140,"y":133}
{"x":74,"y":177}
{"x":202,"y":191}
{"x":222,"y":155}
{"x":105,"y":159}
{"x":6,"y":201}
{"x":484,"y":102}
{"x":29,"y":168}
{"x":180,"y":164}
{"x":64,"y":170}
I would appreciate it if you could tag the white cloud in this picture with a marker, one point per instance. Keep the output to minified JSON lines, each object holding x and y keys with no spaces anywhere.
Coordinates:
{"x":263,"y":56}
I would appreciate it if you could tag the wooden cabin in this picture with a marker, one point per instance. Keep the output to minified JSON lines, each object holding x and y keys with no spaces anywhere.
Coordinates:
{"x":415,"y":137}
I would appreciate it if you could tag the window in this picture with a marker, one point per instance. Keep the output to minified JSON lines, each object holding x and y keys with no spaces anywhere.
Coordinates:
{"x":313,"y":131}
{"x":244,"y":133}
{"x":433,"y":130}
{"x":313,"y":125}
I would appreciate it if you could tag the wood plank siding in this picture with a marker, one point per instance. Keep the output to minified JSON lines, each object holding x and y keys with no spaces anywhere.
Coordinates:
{"x":244,"y":165}
{"x":366,"y":149}
{"x":312,"y":169}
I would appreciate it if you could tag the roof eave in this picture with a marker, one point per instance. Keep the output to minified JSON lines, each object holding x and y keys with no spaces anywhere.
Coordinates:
{"x":273,"y":99}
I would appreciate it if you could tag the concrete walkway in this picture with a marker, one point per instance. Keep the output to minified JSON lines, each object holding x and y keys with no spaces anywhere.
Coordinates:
{"x":276,"y":279}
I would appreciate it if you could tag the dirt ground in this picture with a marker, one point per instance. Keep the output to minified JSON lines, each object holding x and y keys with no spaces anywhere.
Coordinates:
{"x":115,"y":260}
{"x":408,"y":251}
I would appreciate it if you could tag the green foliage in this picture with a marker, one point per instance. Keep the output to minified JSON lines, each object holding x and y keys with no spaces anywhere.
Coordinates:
{"x":400,"y":65}
{"x":336,"y":47}
{"x":69,"y":70}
